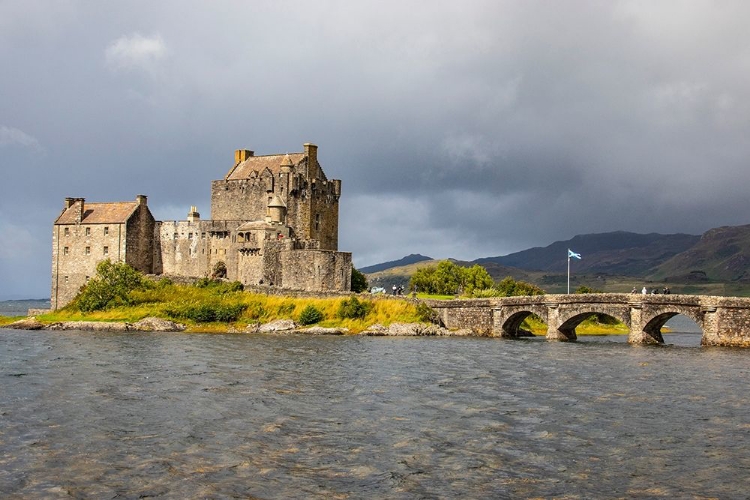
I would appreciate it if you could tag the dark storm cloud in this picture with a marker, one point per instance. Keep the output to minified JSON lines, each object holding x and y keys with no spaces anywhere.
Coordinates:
{"x":459,"y":129}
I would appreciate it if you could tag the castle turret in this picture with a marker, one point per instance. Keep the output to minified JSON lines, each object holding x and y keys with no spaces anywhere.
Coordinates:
{"x":277,"y":209}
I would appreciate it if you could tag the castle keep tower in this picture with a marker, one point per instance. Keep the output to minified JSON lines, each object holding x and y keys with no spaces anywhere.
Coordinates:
{"x":274,"y":222}
{"x":295,"y":180}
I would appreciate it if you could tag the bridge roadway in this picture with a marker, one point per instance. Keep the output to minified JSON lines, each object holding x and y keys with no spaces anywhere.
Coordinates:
{"x":724,"y":321}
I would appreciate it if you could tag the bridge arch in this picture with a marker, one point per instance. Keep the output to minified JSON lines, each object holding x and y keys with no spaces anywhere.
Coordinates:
{"x":655,"y":318}
{"x":569,"y":316}
{"x":507,"y":321}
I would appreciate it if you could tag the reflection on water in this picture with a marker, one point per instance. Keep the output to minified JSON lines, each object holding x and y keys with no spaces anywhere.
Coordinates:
{"x":221,"y":416}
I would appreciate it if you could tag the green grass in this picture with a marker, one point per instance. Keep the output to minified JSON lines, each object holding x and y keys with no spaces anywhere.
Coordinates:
{"x":588,"y":327}
{"x":4,"y":320}
{"x":167,"y":301}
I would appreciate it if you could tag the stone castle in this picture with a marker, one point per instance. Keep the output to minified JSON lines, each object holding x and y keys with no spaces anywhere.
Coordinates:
{"x":274,"y":222}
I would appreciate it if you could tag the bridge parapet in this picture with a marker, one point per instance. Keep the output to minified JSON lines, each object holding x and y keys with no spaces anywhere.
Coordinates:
{"x":724,"y":320}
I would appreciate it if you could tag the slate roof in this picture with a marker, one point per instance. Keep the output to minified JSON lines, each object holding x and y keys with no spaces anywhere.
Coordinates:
{"x":99,"y":213}
{"x":260,"y":163}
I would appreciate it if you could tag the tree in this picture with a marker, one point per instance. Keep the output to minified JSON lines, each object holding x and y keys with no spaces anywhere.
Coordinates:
{"x":476,"y":278}
{"x":359,"y":281}
{"x":509,"y":287}
{"x":110,"y":287}
{"x":449,"y":278}
{"x":423,"y":280}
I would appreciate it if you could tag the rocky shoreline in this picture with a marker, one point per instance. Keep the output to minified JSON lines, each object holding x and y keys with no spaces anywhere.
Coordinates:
{"x":277,"y":327}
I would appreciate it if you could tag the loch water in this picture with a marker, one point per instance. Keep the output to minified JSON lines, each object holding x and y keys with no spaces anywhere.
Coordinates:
{"x":112,"y":415}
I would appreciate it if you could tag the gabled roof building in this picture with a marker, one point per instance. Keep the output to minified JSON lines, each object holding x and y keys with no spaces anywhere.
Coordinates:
{"x":274,"y":222}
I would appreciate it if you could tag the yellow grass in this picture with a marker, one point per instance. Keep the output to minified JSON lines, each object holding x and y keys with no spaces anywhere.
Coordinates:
{"x":158,"y":302}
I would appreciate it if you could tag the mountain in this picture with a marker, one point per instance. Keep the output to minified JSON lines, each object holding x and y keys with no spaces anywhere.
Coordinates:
{"x":716,"y":263}
{"x":619,"y":252}
{"x":409,"y":259}
{"x":721,"y":254}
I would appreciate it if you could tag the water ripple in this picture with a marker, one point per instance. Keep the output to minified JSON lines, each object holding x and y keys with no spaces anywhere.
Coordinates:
{"x":95,"y":415}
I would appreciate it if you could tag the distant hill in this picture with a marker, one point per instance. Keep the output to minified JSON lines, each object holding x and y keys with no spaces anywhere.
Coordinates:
{"x":409,"y":259}
{"x":620,"y":253}
{"x":716,"y":263}
{"x":398,"y":275}
{"x":721,"y":254}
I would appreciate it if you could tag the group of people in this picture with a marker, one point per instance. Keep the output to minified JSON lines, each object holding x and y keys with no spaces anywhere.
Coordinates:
{"x":398,"y":290}
{"x":654,"y":291}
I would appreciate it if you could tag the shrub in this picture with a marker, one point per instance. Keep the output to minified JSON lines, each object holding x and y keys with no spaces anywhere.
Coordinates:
{"x":310,"y":315}
{"x":509,"y":287}
{"x":426,"y":313}
{"x":359,"y":281}
{"x":208,"y":312}
{"x":353,"y":308}
{"x":218,"y":286}
{"x":110,"y":287}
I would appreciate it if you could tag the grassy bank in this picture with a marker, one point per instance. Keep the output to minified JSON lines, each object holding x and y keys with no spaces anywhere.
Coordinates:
{"x":198,"y":308}
{"x":589,"y":326}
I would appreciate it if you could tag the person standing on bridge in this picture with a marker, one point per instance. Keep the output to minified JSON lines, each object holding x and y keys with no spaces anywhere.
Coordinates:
{"x":644,"y":291}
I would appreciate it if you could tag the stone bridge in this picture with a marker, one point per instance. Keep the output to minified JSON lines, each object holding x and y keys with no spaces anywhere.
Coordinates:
{"x":724,"y":320}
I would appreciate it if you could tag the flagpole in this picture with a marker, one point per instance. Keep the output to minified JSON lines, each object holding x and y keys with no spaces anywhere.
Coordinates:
{"x":568,"y":271}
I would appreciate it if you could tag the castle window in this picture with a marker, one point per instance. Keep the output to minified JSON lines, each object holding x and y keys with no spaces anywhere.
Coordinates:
{"x":203,"y":236}
{"x":67,"y":231}
{"x":87,"y":279}
{"x":106,"y":230}
{"x":88,"y":251}
{"x":65,"y":250}
{"x":88,"y":231}
{"x":175,"y":236}
{"x":106,"y":250}
{"x":190,"y":236}
{"x":66,"y":279}
{"x":317,"y":222}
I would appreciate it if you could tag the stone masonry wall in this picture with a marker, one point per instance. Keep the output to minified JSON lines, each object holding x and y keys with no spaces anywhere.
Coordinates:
{"x":316,"y":270}
{"x":139,"y":253}
{"x":76,"y":251}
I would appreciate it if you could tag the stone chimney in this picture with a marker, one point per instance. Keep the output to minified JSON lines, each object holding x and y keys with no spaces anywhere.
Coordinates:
{"x":141,"y":199}
{"x":193,"y":214}
{"x":69,"y":202}
{"x":241,"y":155}
{"x":79,"y":213}
{"x":311,"y":151}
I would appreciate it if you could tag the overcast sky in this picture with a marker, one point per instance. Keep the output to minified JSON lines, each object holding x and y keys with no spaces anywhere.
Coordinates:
{"x":459,"y":129}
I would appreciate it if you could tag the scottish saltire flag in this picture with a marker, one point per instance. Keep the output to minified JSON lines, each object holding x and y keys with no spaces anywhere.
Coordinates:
{"x":571,"y":253}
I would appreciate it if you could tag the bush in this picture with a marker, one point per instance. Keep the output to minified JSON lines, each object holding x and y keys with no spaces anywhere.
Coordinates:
{"x":310,"y":315}
{"x":208,"y":312}
{"x":359,"y":281}
{"x":218,"y":286}
{"x":110,"y":287}
{"x":426,"y":313}
{"x":509,"y":287}
{"x":353,"y":308}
